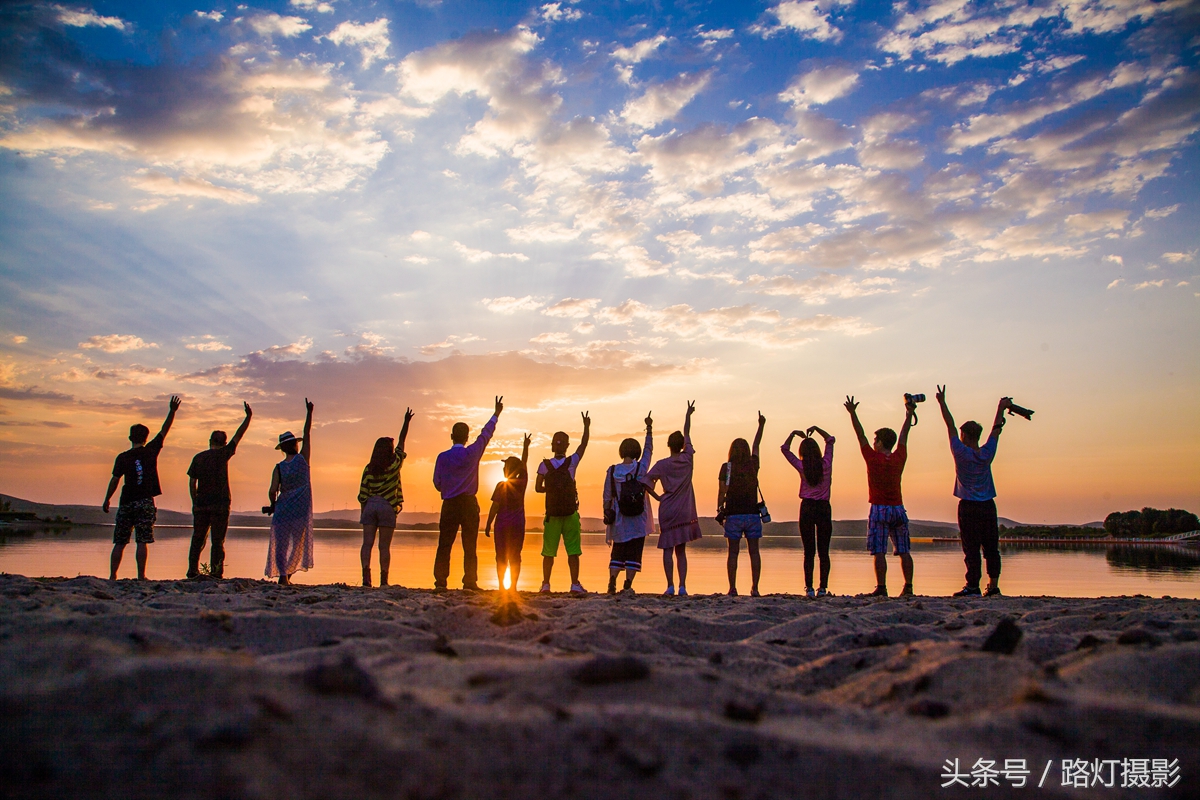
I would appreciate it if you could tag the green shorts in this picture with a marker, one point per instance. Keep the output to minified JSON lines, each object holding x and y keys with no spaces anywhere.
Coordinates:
{"x":565,"y":528}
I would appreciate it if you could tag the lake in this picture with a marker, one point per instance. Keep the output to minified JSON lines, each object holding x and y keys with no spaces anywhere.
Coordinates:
{"x":1058,"y":570}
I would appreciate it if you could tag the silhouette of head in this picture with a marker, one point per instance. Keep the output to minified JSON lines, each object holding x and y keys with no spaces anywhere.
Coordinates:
{"x":675,"y":442}
{"x":971,"y":431}
{"x":559,"y":443}
{"x":382,"y":455}
{"x":291,"y":447}
{"x":630,"y":448}
{"x":459,"y":433}
{"x":739,"y":451}
{"x":217,"y":439}
{"x":810,"y":454}
{"x":885,"y":440}
{"x":513,"y":467}
{"x":138,"y":434}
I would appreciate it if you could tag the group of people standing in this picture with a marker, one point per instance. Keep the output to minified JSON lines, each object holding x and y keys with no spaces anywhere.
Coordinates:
{"x":628,"y":517}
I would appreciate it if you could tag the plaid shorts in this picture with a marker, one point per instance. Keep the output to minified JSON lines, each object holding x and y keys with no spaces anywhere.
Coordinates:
{"x":887,"y":521}
{"x":135,"y":517}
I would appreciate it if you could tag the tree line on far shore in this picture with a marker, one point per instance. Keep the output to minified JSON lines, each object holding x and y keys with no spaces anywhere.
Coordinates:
{"x":1149,"y":523}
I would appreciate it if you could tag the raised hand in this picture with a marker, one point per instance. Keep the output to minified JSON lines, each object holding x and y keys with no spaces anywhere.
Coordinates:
{"x":587,"y":420}
{"x":810,"y":430}
{"x":528,"y":440}
{"x":649,"y":421}
{"x":175,"y":401}
{"x":851,"y":406}
{"x":691,"y":407}
{"x":761,"y":419}
{"x":941,"y":394}
{"x":408,"y":415}
{"x":246,"y":406}
{"x":499,"y":404}
{"x":308,"y":406}
{"x":801,"y":434}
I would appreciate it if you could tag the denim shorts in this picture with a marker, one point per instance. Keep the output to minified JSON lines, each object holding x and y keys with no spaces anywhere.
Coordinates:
{"x":378,"y":512}
{"x":737,"y":525}
{"x":885,"y":522}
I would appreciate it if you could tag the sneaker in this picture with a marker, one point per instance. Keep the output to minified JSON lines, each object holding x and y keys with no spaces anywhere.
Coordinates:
{"x":880,"y":591}
{"x":808,"y":592}
{"x":992,"y":591}
{"x":577,"y":588}
{"x":968,"y":591}
{"x":545,"y":588}
{"x":907,"y":591}
{"x":670,"y":592}
{"x":612,"y":585}
{"x":683,"y":591}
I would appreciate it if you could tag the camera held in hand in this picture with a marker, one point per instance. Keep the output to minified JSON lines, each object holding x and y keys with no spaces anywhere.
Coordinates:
{"x":269,"y":509}
{"x":1013,"y":408}
{"x":913,"y":398}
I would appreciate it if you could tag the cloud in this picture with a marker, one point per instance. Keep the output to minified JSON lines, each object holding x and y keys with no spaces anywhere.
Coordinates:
{"x":212,"y":16}
{"x":320,"y":6}
{"x":555,"y":12}
{"x":450,"y":343}
{"x":116,"y":343}
{"x":476,"y":256}
{"x":1115,"y":259}
{"x":542,"y":232}
{"x":640,"y":51}
{"x":296,"y":348}
{"x":805,"y":18}
{"x":819,"y":86}
{"x":1150,"y":284}
{"x":747,"y":324}
{"x":371,"y":39}
{"x":572,"y":308}
{"x":272,"y":24}
{"x":551,"y":338}
{"x":83,"y":18}
{"x":1159,"y":213}
{"x":818,"y":289}
{"x":1179,"y":258}
{"x":208,"y":344}
{"x":369,"y":344}
{"x":715,"y":35}
{"x":1115,"y":283}
{"x":662,"y":101}
{"x":19,"y":339}
{"x":511,"y":305}
{"x":183,"y":186}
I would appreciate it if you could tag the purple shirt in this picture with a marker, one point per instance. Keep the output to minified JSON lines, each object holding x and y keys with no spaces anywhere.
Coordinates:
{"x":807,"y":490}
{"x":456,"y":471}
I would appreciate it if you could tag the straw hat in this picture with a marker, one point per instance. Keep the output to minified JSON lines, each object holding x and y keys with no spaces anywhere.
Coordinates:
{"x":287,"y":436}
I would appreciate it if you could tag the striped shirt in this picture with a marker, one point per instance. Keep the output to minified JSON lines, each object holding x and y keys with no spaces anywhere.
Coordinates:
{"x":386,"y":485}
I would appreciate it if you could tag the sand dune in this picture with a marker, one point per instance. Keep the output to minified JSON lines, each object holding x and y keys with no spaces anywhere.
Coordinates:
{"x":247,"y":689}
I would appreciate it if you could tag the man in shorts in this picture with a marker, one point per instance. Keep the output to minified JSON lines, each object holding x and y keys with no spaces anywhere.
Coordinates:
{"x":556,"y":479}
{"x":136,"y":512}
{"x":978,"y":525}
{"x":208,"y":483}
{"x":888,"y":518}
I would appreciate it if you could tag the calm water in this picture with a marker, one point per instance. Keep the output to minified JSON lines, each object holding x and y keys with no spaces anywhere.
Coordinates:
{"x":1065,"y":571}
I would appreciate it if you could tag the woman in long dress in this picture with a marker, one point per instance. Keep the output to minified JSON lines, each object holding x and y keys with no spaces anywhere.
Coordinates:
{"x":291,"y":546}
{"x":678,"y":522}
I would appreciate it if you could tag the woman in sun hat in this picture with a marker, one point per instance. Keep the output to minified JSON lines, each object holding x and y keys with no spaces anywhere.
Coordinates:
{"x":291,"y":546}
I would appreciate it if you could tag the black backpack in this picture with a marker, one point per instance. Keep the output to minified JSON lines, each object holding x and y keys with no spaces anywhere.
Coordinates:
{"x":631,"y":495}
{"x":562,"y":498}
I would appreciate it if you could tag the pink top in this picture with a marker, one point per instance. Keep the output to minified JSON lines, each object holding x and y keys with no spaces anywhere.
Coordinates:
{"x":807,"y":490}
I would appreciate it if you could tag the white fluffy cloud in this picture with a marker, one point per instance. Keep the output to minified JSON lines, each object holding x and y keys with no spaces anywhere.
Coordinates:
{"x":640,"y":51}
{"x":272,"y":24}
{"x":511,"y":305}
{"x":371,"y":39}
{"x":809,"y":19}
{"x":83,"y":18}
{"x":820,"y":86}
{"x":572,"y":308}
{"x":116,"y":343}
{"x":662,"y":101}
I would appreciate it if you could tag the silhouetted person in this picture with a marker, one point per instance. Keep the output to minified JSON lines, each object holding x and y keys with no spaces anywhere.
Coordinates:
{"x":456,"y":477}
{"x":888,"y":517}
{"x":136,"y":513}
{"x":208,"y":484}
{"x":381,"y":498}
{"x":737,"y":506}
{"x":556,"y":478}
{"x":628,"y":508}
{"x":291,"y":545}
{"x":508,"y":512}
{"x":816,"y":516}
{"x":678,"y":522}
{"x":978,"y":526}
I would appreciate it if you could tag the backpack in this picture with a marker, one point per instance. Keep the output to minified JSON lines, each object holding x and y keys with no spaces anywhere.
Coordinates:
{"x":562,"y":498}
{"x":631,"y":494}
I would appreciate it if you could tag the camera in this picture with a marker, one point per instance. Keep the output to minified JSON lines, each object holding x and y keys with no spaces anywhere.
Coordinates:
{"x":914,"y":398}
{"x":268,"y":509}
{"x":1013,"y":408}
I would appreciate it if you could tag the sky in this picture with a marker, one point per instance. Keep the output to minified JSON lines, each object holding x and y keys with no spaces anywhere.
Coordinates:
{"x":606,"y":206}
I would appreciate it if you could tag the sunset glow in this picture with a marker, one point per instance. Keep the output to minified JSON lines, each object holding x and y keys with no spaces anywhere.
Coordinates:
{"x":614,"y":208}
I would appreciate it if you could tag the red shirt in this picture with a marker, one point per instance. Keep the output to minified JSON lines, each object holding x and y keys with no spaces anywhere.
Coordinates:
{"x":883,"y":475}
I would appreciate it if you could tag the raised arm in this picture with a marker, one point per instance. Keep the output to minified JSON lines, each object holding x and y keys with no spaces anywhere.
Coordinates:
{"x":786,"y":449}
{"x":852,"y":407}
{"x":998,"y":423}
{"x":648,"y":446}
{"x":489,"y":429}
{"x":241,"y":431}
{"x":173,"y":406}
{"x":910,"y":411}
{"x":947,"y":417}
{"x":824,"y":435}
{"x":587,"y":434}
{"x":408,"y":415}
{"x":306,"y":447}
{"x":687,"y":419}
{"x":525,"y":451}
{"x":762,"y":422}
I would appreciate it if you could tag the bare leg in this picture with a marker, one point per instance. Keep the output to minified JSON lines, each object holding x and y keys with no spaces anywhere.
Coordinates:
{"x":681,"y":557}
{"x":514,"y":572}
{"x":755,"y":565}
{"x":731,"y":563}
{"x":573,"y":565}
{"x":881,"y":569}
{"x":141,"y":554}
{"x":365,"y":553}
{"x":629,"y":573}
{"x":385,"y":554}
{"x":906,"y":566}
{"x":669,"y":567}
{"x":500,"y":565}
{"x":114,"y":561}
{"x":547,"y":567}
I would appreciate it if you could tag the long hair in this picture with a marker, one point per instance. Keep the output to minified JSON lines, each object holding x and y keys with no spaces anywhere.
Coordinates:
{"x":382,"y":456}
{"x":739,"y":452}
{"x":814,"y":468}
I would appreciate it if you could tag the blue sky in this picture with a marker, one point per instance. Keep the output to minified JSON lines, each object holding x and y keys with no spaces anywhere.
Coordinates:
{"x":618,"y":206}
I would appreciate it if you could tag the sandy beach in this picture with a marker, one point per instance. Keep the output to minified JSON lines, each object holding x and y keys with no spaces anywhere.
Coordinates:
{"x":247,"y":689}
